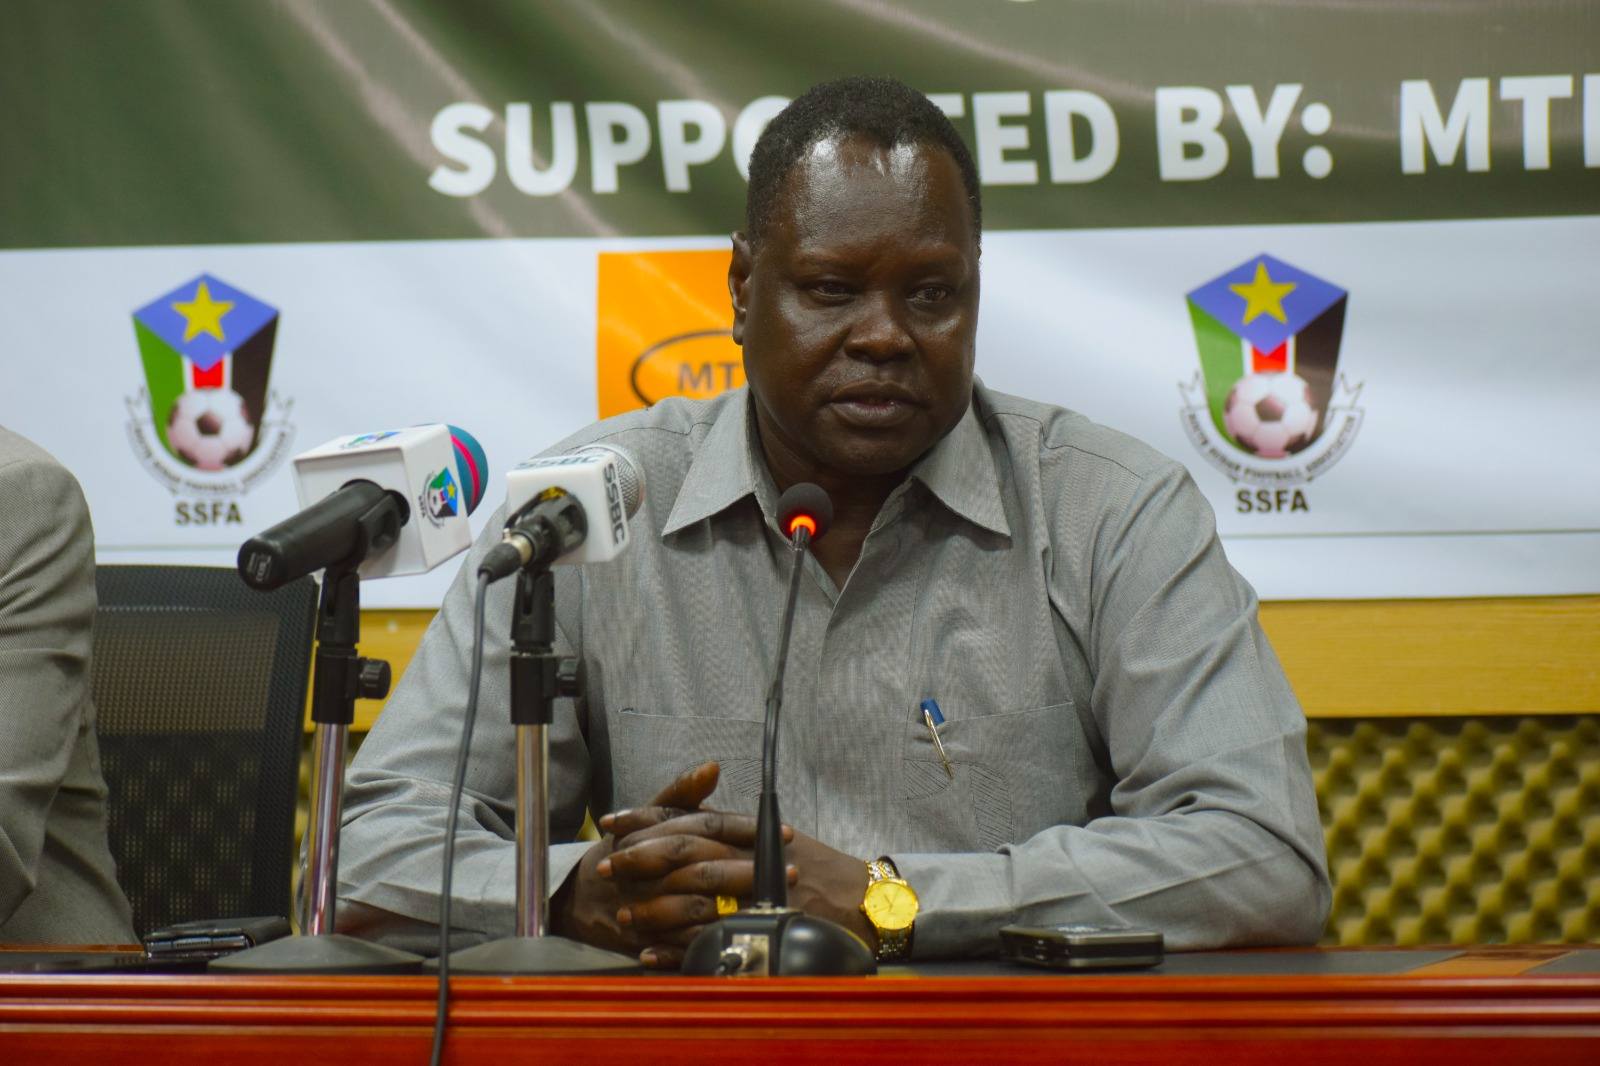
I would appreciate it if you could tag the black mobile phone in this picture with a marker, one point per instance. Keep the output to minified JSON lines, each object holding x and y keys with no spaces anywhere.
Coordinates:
{"x":213,"y":938}
{"x":1082,"y":947}
{"x":68,"y":962}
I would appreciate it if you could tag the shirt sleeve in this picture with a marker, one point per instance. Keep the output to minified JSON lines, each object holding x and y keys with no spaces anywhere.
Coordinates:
{"x":1213,"y":837}
{"x":397,"y":792}
{"x":47,"y":605}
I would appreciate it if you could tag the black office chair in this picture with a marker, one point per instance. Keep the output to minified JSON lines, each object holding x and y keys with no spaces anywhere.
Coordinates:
{"x":200,"y":689}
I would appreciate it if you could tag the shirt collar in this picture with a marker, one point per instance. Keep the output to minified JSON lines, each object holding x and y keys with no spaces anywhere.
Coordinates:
{"x":961,"y":474}
{"x":959,"y":471}
{"x":726,"y":468}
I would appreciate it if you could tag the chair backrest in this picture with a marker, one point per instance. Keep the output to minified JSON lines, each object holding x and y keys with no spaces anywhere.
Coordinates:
{"x":199,"y":690}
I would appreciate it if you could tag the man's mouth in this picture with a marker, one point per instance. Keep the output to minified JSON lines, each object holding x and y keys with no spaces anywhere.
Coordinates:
{"x":874,"y":413}
{"x":874,"y":405}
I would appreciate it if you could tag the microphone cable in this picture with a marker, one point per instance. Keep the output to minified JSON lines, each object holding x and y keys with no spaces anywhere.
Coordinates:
{"x":457,"y":790}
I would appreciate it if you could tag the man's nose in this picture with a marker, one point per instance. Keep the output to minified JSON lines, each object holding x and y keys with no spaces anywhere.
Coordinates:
{"x":879,"y":332}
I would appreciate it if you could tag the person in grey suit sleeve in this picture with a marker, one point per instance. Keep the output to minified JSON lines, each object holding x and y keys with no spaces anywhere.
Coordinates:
{"x":58,"y":882}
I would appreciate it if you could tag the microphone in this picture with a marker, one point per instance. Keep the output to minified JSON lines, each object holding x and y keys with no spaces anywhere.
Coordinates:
{"x":357,"y":494}
{"x":560,"y":509}
{"x":805,"y":506}
{"x":804,"y":514}
{"x":564,"y":510}
{"x":769,"y":937}
{"x":395,"y":502}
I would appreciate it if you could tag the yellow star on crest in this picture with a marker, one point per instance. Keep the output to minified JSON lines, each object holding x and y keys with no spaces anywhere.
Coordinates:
{"x":1263,"y":296}
{"x":202,"y":314}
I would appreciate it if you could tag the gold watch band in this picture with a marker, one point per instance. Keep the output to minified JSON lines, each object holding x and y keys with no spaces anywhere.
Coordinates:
{"x":893,"y":944}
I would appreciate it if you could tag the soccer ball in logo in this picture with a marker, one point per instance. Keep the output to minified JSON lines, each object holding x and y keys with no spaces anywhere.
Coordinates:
{"x":1271,"y":415}
{"x":210,"y":428}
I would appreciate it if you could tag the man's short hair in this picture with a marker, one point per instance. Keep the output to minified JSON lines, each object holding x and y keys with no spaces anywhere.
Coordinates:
{"x":888,"y":112}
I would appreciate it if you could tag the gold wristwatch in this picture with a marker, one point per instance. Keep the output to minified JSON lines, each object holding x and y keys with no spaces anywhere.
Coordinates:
{"x":891,"y":906}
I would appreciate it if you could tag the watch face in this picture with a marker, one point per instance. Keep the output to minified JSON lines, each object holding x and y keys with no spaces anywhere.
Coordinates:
{"x":890,"y":905}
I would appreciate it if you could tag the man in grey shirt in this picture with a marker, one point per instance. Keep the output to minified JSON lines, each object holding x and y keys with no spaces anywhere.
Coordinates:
{"x":1118,"y":742}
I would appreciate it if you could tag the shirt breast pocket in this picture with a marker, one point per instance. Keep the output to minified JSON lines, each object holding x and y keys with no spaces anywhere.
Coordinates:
{"x":649,"y":751}
{"x":1011,"y":775}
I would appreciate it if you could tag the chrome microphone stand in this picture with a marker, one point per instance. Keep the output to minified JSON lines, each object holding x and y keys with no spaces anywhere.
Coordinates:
{"x":538,"y":677}
{"x":340,"y":677}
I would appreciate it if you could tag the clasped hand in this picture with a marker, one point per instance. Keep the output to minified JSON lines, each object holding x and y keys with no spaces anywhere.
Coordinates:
{"x":649,"y":885}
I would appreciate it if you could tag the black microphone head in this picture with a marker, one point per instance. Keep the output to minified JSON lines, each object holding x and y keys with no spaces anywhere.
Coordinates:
{"x":804,"y":505}
{"x":329,"y":531}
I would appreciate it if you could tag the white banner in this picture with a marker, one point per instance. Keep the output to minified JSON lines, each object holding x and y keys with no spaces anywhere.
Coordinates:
{"x":1431,"y":441}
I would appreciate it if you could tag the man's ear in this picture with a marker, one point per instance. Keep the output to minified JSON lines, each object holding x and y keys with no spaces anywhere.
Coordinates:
{"x":738,"y":283}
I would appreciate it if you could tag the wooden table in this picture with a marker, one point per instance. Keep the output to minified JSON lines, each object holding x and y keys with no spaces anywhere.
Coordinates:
{"x":1283,"y":1008}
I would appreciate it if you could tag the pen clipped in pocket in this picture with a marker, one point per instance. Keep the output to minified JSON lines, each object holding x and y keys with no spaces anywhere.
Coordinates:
{"x":992,"y":779}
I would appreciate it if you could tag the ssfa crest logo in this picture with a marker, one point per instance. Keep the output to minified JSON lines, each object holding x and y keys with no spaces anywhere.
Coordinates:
{"x":440,"y":499}
{"x":1269,"y":406}
{"x":205,"y":424}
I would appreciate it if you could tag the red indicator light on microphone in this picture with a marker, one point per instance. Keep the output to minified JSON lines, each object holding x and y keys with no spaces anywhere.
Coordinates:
{"x":804,"y":506}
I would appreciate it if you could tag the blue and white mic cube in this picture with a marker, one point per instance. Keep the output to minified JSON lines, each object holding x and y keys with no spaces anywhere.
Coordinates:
{"x":419,"y":463}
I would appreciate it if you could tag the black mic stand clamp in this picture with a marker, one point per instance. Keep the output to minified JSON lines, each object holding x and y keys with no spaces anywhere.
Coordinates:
{"x":538,"y":677}
{"x":340,"y":677}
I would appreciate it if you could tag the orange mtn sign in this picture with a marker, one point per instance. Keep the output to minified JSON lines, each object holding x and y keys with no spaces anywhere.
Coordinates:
{"x":664,"y":329}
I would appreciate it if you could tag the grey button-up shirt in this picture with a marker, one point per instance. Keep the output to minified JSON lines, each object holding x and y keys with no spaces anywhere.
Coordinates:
{"x":1123,"y":743}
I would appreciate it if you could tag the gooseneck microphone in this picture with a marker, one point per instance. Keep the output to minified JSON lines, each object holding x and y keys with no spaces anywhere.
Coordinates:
{"x":769,"y":937}
{"x":804,"y":514}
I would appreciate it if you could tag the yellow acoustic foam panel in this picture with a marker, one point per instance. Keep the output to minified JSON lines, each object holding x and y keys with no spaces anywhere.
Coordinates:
{"x":1460,"y":830}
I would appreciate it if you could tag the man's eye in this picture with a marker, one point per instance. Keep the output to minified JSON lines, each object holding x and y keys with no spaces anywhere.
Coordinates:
{"x":930,"y":294}
{"x":830,"y":290}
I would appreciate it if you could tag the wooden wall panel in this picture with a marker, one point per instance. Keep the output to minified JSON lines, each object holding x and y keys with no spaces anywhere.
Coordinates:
{"x":1405,"y":658}
{"x":1346,"y":658}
